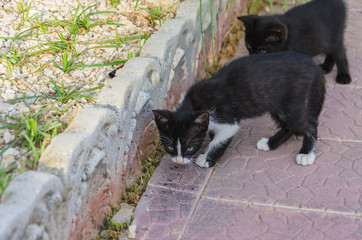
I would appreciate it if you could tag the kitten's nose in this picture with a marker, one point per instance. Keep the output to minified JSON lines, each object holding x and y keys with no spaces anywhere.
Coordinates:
{"x":179,"y":160}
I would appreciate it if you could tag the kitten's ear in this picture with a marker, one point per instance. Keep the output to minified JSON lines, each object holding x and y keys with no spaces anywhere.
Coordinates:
{"x":162,"y":118}
{"x":249,"y":20}
{"x":202,"y":120}
{"x":277,"y":32}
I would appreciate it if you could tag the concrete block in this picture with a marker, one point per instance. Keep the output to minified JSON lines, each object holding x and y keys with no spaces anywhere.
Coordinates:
{"x":173,"y":34}
{"x":32,"y":198}
{"x":78,"y":138}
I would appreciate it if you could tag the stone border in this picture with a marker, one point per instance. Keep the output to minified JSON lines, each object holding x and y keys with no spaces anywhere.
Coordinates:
{"x":85,"y":169}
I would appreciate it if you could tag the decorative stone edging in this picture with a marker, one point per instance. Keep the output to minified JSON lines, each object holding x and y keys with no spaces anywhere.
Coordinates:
{"x":85,"y":169}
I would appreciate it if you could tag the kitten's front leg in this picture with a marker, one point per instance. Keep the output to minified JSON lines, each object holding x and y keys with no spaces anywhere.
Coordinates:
{"x":223,"y":136}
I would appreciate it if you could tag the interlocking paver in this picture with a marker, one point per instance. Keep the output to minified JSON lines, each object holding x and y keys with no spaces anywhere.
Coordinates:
{"x":187,"y":178}
{"x":253,"y":194}
{"x":215,"y":219}
{"x":341,"y":117}
{"x":162,"y":213}
{"x":280,"y":181}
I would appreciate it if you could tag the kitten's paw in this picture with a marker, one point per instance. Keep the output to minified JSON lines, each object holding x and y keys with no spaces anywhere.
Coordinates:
{"x":343,"y":78}
{"x":305,"y":159}
{"x":201,"y":161}
{"x":263,"y":144}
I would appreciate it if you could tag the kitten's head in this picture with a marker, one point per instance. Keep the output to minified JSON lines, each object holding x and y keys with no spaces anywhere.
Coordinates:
{"x":264,"y":34}
{"x":181,"y":133}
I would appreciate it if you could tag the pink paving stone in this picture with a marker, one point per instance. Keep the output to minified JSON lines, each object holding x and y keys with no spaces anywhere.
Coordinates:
{"x":301,"y":194}
{"x":335,"y":122}
{"x":189,"y":178}
{"x":311,"y":186}
{"x":225,"y":220}
{"x":336,"y":181}
{"x":163,"y":213}
{"x":357,"y":166}
{"x":341,"y":231}
{"x":349,"y":174}
{"x":215,"y":220}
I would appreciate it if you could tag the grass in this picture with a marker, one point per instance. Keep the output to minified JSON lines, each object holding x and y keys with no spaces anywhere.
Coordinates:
{"x":24,"y":13}
{"x":115,"y":2}
{"x":32,"y":132}
{"x":7,"y":173}
{"x":155,"y":14}
{"x":203,"y":42}
{"x":212,"y":37}
{"x":256,"y":5}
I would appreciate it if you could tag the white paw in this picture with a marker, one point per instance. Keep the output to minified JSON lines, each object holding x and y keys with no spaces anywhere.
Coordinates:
{"x":305,"y":159}
{"x":201,"y":161}
{"x":263,"y":144}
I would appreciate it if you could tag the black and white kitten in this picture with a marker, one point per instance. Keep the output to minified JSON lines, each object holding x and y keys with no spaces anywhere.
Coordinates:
{"x":314,"y":28}
{"x":289,"y":86}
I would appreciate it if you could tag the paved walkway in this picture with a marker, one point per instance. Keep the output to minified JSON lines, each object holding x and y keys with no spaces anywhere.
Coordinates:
{"x":265,"y":195}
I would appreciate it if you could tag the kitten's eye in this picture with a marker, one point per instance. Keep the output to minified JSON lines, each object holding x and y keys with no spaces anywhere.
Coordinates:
{"x":170,"y":148}
{"x":262,"y":50}
{"x":190,"y":149}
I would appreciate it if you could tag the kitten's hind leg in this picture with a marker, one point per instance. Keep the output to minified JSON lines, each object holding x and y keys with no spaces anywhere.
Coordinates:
{"x":306,"y":154}
{"x":328,"y":64}
{"x":343,"y":76}
{"x":275,"y":141}
{"x":223,"y":134}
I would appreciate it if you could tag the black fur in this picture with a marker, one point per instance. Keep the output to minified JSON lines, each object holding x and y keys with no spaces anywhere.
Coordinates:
{"x":289,"y":86}
{"x":316,"y":27}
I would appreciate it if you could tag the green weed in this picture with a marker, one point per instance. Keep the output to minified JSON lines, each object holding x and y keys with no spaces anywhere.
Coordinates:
{"x":135,"y":7}
{"x":7,"y":174}
{"x":203,"y":41}
{"x":212,"y":37}
{"x":24,"y":13}
{"x":41,"y":26}
{"x":155,"y":14}
{"x":255,"y":6}
{"x":285,"y":5}
{"x":64,"y":95}
{"x":115,"y":3}
{"x":33,"y":133}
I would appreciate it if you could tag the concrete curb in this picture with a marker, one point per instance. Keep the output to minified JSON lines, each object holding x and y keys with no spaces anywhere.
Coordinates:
{"x":85,"y":170}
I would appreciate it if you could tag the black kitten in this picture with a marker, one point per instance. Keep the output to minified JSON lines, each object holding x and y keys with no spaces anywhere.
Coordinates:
{"x":313,"y":28}
{"x":290,"y":86}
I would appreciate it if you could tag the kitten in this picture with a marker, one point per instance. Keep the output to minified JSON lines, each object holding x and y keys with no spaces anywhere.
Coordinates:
{"x":290,"y":86}
{"x":313,"y":28}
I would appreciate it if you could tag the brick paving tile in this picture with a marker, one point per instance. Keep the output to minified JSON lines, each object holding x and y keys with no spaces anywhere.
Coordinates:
{"x":331,"y":183}
{"x":187,"y":178}
{"x":252,"y":194}
{"x":214,"y":219}
{"x":163,"y":213}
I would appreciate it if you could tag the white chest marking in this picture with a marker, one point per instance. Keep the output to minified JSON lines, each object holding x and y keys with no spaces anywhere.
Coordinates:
{"x":222,"y":132}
